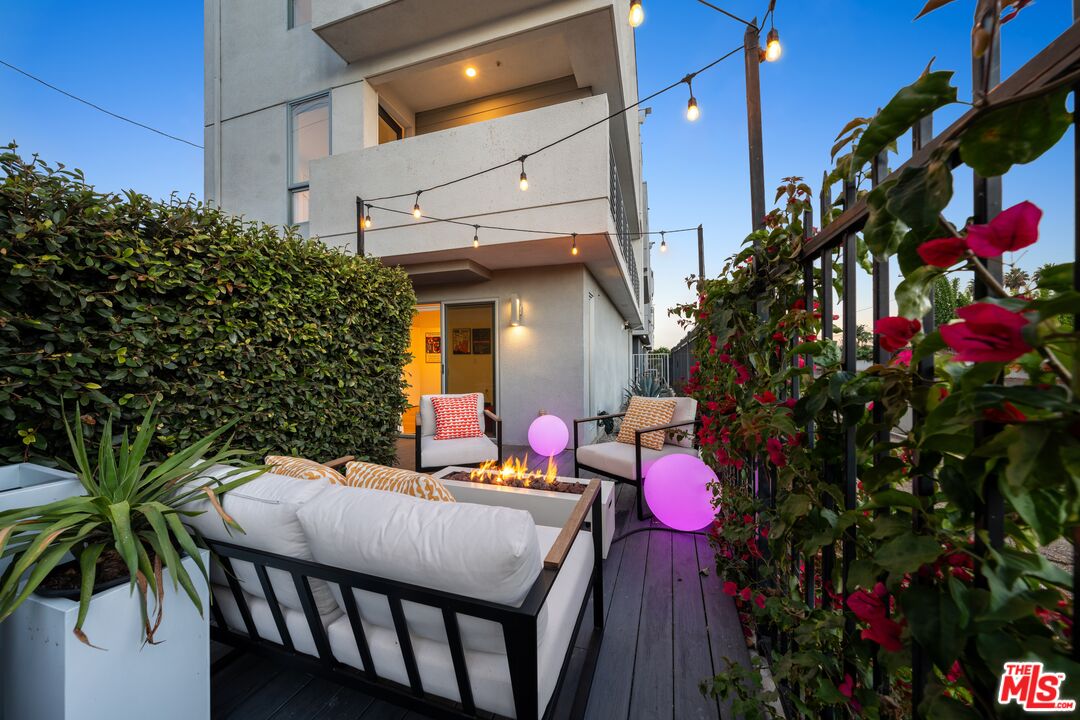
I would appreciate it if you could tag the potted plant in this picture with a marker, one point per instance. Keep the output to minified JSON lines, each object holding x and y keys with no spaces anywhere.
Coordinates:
{"x":126,"y":530}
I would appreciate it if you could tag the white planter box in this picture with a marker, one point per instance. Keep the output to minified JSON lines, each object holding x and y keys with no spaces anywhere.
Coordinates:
{"x":25,"y":485}
{"x":47,"y":674}
{"x":546,"y":507}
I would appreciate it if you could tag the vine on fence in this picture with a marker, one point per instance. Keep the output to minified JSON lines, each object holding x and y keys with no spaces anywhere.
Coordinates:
{"x":925,"y":572}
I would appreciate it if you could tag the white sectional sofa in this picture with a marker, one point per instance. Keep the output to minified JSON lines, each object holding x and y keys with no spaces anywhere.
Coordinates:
{"x":456,"y":609}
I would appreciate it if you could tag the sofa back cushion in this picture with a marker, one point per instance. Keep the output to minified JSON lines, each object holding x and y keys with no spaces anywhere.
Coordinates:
{"x":303,"y":469}
{"x":685,"y":411}
{"x":266,"y":509}
{"x":427,"y":411}
{"x":644,"y":412}
{"x":379,"y":477}
{"x":479,"y":551}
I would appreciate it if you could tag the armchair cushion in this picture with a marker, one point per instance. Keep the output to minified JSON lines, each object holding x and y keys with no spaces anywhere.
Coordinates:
{"x":685,"y":411}
{"x":440,"y":453}
{"x":427,"y":411}
{"x":303,"y":469}
{"x":379,"y":477}
{"x":646,"y":412}
{"x":617,"y":459}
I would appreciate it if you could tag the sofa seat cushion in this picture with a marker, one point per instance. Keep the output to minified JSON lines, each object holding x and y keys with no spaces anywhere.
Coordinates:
{"x":440,"y":453}
{"x":617,"y":459}
{"x":266,"y":510}
{"x":685,"y":412}
{"x":478,"y":551}
{"x":261,"y":614}
{"x":379,"y":477}
{"x":489,"y":675}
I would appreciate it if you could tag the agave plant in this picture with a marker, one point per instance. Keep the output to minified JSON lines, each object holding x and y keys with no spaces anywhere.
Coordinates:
{"x":647,"y":385}
{"x":131,"y":508}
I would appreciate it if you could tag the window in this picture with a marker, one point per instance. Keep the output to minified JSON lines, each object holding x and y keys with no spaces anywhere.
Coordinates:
{"x":309,"y":139}
{"x":299,"y":13}
{"x":389,"y":128}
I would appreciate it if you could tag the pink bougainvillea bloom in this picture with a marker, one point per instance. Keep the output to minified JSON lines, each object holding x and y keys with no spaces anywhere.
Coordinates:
{"x":731,"y":588}
{"x":1013,"y":229}
{"x":759,"y":600}
{"x":746,"y":593}
{"x":847,"y":687}
{"x":1007,"y":413}
{"x":895,"y":332}
{"x":902,"y":358}
{"x":776,"y":452}
{"x":871,"y":609}
{"x":766,"y":397}
{"x":987,"y":333}
{"x":943,"y":252}
{"x":799,"y":304}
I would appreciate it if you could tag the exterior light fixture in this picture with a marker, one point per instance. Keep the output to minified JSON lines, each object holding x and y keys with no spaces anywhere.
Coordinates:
{"x":470,"y":72}
{"x":663,"y":242}
{"x":476,"y":236}
{"x":573,"y":244}
{"x":772,"y":46}
{"x":416,"y":207}
{"x":523,"y":183}
{"x":692,"y":110}
{"x":367,"y":217}
{"x":517,"y":311}
{"x":637,"y":13}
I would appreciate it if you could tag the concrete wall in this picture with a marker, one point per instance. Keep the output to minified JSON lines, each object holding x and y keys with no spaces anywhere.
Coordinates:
{"x":608,"y":363}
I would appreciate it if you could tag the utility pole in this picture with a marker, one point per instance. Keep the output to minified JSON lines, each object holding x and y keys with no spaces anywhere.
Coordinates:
{"x":752,"y":52}
{"x":701,"y":250}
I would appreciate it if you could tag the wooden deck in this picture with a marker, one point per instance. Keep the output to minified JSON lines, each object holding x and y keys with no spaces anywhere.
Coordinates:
{"x":668,"y":627}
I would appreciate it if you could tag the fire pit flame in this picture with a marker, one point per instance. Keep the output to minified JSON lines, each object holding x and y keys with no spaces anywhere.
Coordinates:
{"x":514,"y":469}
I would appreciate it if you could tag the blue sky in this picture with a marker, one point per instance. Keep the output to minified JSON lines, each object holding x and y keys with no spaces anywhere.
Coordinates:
{"x":842,"y":58}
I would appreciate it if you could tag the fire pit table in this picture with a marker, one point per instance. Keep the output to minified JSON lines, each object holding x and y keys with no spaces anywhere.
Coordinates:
{"x":547,"y":507}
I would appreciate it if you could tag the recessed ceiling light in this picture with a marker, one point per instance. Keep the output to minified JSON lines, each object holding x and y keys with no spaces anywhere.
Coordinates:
{"x":470,"y":71}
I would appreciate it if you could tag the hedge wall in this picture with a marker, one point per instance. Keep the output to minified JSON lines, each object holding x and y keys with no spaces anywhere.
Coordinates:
{"x":114,"y":300}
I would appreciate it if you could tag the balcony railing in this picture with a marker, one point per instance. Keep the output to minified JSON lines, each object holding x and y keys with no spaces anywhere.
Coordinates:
{"x":618,"y":214}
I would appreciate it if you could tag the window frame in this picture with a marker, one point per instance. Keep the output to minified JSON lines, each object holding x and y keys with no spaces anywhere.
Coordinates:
{"x":291,"y":186}
{"x":290,"y":16}
{"x":390,"y":120}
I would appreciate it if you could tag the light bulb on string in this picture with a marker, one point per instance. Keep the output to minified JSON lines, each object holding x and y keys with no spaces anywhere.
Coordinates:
{"x":367,"y":217}
{"x":637,"y":13}
{"x":523,"y":183}
{"x":573,"y":245}
{"x":476,"y":236}
{"x":773,"y":50}
{"x":692,"y":110}
{"x":663,"y":242}
{"x":416,"y":207}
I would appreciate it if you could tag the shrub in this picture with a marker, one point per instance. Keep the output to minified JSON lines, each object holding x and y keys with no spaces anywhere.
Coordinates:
{"x":113,"y":301}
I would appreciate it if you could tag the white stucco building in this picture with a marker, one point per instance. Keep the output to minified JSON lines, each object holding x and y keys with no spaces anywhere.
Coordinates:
{"x":311,"y":104}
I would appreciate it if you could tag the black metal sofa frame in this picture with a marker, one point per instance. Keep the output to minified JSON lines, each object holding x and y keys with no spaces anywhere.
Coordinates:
{"x":519,"y":625}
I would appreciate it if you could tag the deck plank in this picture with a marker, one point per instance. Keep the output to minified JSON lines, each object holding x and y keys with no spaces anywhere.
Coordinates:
{"x":726,"y":638}
{"x":309,"y":702}
{"x":245,"y":677}
{"x":653,"y":680}
{"x":693,"y":657}
{"x":345,"y":704}
{"x":272,"y":697}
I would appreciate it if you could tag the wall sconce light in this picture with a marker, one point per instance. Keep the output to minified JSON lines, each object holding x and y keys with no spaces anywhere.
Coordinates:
{"x":517,"y":311}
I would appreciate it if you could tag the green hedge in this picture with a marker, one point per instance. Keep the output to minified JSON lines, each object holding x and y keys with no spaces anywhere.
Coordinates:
{"x":114,"y":300}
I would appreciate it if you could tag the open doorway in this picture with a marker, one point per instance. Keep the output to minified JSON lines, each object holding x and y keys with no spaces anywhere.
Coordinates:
{"x":423,"y":375}
{"x":470,"y":349}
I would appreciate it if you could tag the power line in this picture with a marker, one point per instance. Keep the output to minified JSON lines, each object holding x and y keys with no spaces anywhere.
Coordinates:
{"x":98,"y":107}
{"x":522,"y":158}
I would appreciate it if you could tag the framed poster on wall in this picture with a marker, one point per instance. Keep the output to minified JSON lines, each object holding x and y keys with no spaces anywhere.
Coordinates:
{"x":481,"y":341}
{"x":462,"y":341}
{"x":432,"y":347}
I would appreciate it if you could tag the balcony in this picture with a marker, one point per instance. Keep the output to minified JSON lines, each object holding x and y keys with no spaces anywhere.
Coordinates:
{"x":572,"y":189}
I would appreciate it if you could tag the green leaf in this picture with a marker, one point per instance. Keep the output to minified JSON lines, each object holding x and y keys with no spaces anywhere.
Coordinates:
{"x":919,"y":196}
{"x":914,"y":102}
{"x":1015,"y":134}
{"x":913,"y":294}
{"x":120,"y":513}
{"x":907,"y":553}
{"x":934,"y":620}
{"x":88,"y":568}
{"x":882,"y":232}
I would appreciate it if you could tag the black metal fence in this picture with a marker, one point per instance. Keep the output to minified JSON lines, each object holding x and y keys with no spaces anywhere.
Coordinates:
{"x":1058,"y":60}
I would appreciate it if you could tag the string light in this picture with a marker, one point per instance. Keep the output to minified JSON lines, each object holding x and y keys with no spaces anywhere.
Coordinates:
{"x":476,"y":236}
{"x":772,"y":47}
{"x":637,"y":13}
{"x":573,"y":246}
{"x":416,"y":206}
{"x":470,"y":71}
{"x":692,"y":110}
{"x":523,"y":183}
{"x":663,"y":241}
{"x":367,"y":217}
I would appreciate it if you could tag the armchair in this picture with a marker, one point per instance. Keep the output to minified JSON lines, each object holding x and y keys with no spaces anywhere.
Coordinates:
{"x":628,"y":463}
{"x":432,"y":454}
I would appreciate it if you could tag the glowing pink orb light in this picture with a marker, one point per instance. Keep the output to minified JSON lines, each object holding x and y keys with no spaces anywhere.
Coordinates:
{"x":548,"y":435}
{"x":677,"y":490}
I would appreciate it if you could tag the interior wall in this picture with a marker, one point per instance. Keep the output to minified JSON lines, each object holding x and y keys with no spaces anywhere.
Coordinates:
{"x":501,"y":105}
{"x":472,"y":372}
{"x":424,"y":378}
{"x":610,"y":361}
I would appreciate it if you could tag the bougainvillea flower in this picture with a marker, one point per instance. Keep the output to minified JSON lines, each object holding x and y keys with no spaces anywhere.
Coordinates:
{"x":731,"y":588}
{"x":987,"y":333}
{"x":759,"y":600}
{"x":1007,"y":413}
{"x":746,"y":593}
{"x":895,"y":332}
{"x":776,"y":452}
{"x":1013,"y":229}
{"x":902,"y":358}
{"x":884,"y":632}
{"x":943,"y":252}
{"x":799,"y":304}
{"x":847,"y":687}
{"x":766,"y":397}
{"x":871,"y":609}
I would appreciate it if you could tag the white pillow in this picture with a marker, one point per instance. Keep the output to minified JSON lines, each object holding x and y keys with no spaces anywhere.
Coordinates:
{"x":478,"y":551}
{"x":266,"y":509}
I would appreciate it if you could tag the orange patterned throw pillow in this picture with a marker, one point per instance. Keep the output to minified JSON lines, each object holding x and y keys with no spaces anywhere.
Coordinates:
{"x":302,"y":469}
{"x":406,"y":482}
{"x":456,"y":418}
{"x":646,"y":412}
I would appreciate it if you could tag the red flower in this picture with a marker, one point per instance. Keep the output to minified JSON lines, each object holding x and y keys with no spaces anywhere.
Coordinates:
{"x":902,"y":358}
{"x":943,"y":252}
{"x":759,"y":600}
{"x":776,"y":452}
{"x":746,"y":593}
{"x":799,"y":304}
{"x":871,"y":609}
{"x":895,"y":332}
{"x":988,"y":333}
{"x":766,"y":397}
{"x":810,"y":338}
{"x":847,"y":687}
{"x":1011,"y":230}
{"x":1007,"y":413}
{"x":731,"y":589}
